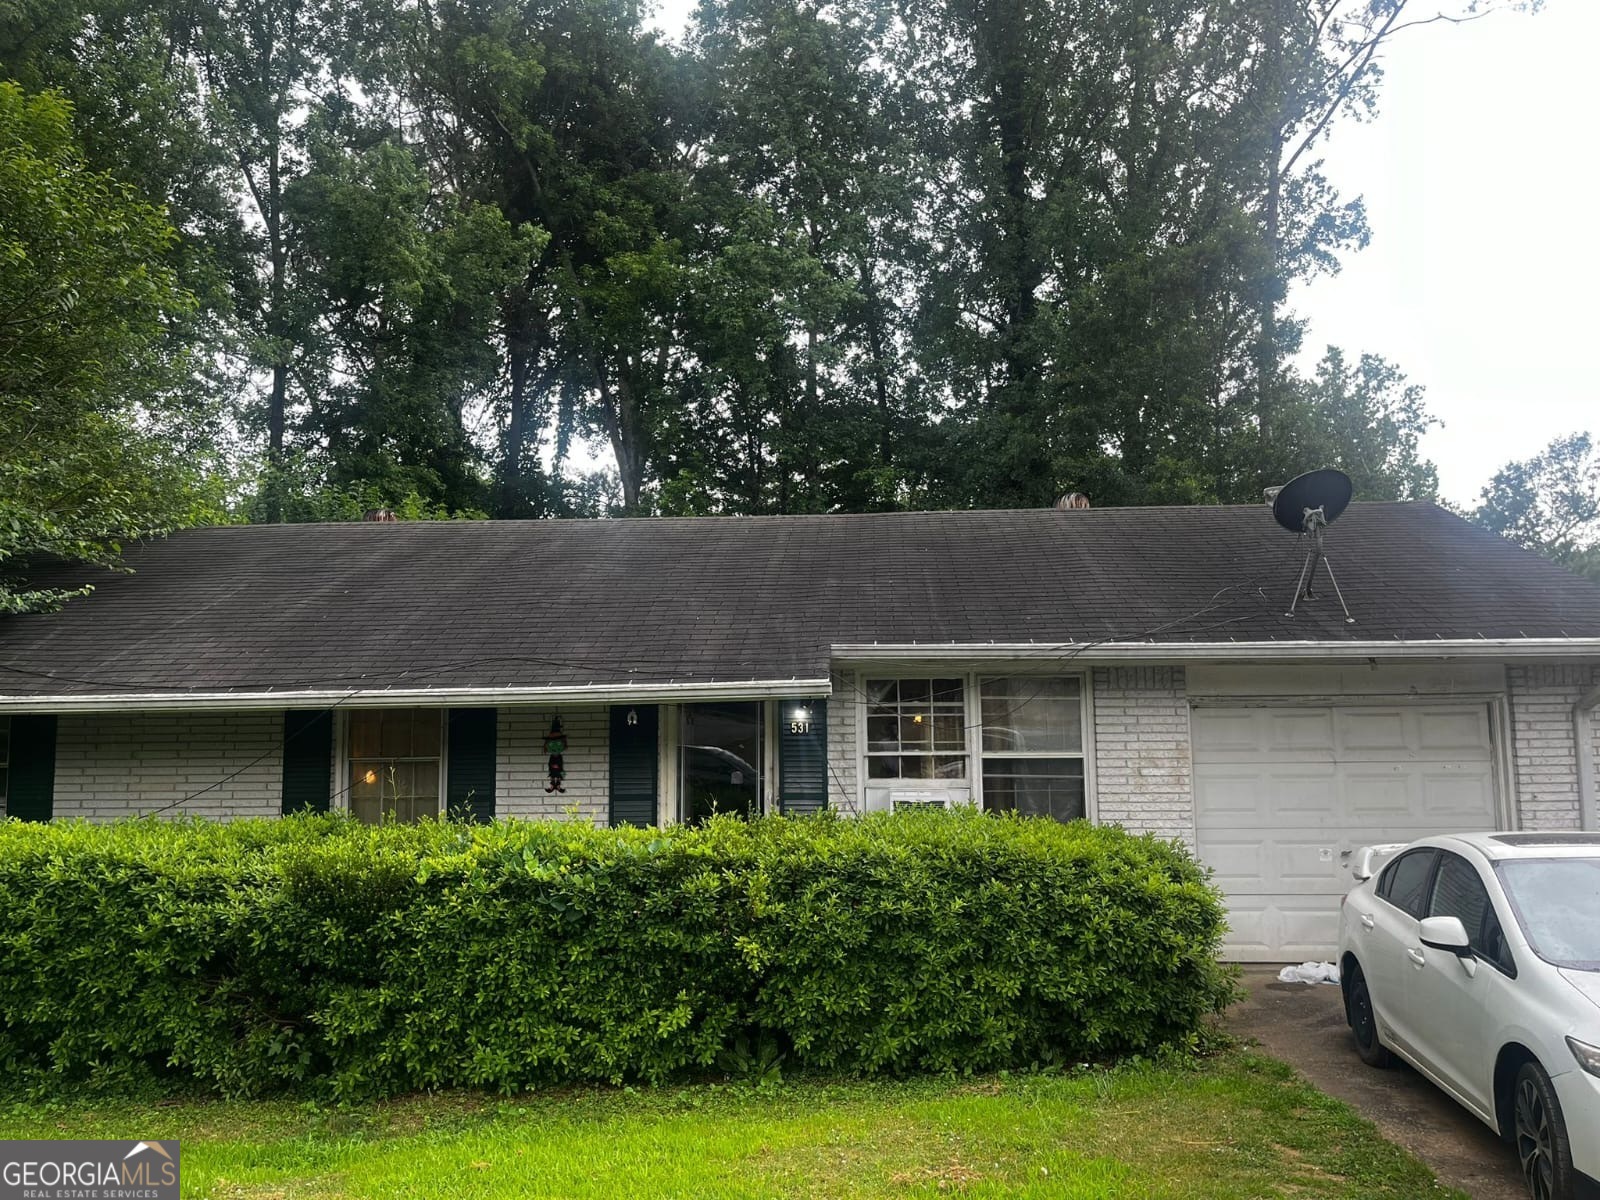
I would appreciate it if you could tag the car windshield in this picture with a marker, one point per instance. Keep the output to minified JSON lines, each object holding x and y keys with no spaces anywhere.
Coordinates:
{"x":1557,"y":902}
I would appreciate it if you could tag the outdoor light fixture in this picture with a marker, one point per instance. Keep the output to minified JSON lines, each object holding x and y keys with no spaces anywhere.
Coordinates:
{"x":370,"y":777}
{"x":633,"y":716}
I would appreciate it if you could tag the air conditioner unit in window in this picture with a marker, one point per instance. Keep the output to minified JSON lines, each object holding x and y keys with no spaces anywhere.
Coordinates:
{"x":893,"y":798}
{"x":906,"y":805}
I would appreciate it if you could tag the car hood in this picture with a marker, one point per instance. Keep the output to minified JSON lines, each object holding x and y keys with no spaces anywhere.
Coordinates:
{"x":1587,"y":982}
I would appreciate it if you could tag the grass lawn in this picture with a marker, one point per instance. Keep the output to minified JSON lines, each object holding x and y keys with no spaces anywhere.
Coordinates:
{"x":1238,"y":1126}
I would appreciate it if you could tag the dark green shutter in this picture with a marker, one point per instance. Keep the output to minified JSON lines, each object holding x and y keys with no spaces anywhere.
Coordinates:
{"x":307,"y":760}
{"x":471,"y":763}
{"x":802,"y":756}
{"x":633,"y":764}
{"x":31,"y":780}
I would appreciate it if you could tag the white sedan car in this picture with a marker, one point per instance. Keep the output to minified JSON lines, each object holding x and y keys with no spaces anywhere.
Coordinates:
{"x":1476,"y":958}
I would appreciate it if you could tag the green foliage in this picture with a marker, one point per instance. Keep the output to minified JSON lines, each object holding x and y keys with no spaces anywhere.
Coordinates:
{"x":92,"y":445}
{"x":1550,"y":503}
{"x":318,"y":954}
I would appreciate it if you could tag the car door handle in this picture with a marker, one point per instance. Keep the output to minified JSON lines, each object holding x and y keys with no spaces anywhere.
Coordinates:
{"x":1368,"y":921}
{"x":1416,"y":955}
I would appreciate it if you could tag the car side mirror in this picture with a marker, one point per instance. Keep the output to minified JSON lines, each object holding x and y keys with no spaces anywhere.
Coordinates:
{"x":1445,"y":933}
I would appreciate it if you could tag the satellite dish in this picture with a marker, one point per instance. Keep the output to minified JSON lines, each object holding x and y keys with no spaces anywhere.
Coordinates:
{"x":1311,"y":501}
{"x":1307,"y":505}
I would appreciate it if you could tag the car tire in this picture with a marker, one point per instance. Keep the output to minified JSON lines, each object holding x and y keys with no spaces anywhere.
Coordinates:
{"x":1539,"y":1134}
{"x":1364,"y":1022}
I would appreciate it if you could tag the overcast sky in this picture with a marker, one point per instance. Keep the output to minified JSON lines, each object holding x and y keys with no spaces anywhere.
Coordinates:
{"x":1478,"y":178}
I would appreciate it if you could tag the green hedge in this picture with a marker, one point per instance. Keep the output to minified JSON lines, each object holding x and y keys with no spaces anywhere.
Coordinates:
{"x":316,"y":954}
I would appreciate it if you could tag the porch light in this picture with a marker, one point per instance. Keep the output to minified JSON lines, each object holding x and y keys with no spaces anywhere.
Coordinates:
{"x":802,"y":714}
{"x":370,"y":777}
{"x":633,"y":716}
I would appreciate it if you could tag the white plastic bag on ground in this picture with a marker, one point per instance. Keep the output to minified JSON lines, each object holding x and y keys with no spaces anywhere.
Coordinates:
{"x":1310,"y":972}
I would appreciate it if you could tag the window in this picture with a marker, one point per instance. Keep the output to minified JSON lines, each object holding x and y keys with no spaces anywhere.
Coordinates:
{"x":5,"y":761}
{"x":721,"y":758}
{"x":1033,"y":746}
{"x":1459,"y":892}
{"x":916,"y":729}
{"x":1554,"y":900}
{"x":395,"y":755}
{"x":1405,"y":881}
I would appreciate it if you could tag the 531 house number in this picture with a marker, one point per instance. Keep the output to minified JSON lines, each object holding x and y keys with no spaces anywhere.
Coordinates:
{"x":798,"y":726}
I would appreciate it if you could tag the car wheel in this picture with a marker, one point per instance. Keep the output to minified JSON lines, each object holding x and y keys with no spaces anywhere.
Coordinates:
{"x":1364,"y":1022}
{"x":1541,"y":1136}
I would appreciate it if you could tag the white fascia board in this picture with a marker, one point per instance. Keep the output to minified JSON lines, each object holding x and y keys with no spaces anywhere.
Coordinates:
{"x":608,"y":693}
{"x":1180,"y":652}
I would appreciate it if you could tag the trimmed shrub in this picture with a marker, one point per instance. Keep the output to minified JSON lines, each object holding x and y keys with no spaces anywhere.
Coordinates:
{"x":317,"y":954}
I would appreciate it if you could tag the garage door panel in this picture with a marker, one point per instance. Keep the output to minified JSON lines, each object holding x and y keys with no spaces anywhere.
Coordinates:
{"x":1226,"y":732}
{"x":1383,"y":730}
{"x":1300,"y":729}
{"x":1458,"y":794}
{"x":1378,"y":793}
{"x":1465,"y":733}
{"x":1282,"y":928}
{"x":1283,"y":797}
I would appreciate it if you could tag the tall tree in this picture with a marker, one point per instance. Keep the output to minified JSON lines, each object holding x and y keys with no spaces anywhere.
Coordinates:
{"x":399,"y":287}
{"x":1550,"y":503}
{"x":92,"y":452}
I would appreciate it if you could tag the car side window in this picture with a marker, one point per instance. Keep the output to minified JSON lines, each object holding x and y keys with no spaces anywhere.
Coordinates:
{"x":1405,"y":881}
{"x":1458,"y":891}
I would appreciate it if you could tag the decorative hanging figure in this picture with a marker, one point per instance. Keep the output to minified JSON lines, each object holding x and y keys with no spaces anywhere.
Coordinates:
{"x":555,"y":745}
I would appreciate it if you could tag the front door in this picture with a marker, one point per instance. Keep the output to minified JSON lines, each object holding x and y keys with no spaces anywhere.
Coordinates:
{"x":720,"y":760}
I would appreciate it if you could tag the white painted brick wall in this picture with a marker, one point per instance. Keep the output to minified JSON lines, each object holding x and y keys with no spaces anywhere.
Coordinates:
{"x":1546,"y":766}
{"x":522,"y":766}
{"x":843,"y":786}
{"x":1142,"y":762}
{"x":112,"y":765}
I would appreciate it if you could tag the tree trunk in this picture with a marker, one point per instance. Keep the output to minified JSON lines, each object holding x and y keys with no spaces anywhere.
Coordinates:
{"x":1267,"y":366}
{"x":880,"y":368}
{"x":277,"y":328}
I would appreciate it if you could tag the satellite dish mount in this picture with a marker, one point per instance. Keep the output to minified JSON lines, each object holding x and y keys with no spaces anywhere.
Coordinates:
{"x":1306,"y":506}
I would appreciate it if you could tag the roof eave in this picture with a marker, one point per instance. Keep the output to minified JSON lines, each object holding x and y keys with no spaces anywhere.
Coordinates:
{"x":605,"y":693}
{"x":1181,"y":652}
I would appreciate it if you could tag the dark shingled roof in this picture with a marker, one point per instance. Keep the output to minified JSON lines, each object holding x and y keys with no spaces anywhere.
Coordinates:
{"x":559,"y":603}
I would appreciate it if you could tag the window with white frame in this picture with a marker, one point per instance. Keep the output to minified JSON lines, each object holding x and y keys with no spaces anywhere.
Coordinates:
{"x":395,"y":756}
{"x":1032,"y":746}
{"x":916,"y":729}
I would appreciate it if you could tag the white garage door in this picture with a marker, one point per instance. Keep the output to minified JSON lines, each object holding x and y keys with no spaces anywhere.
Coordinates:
{"x":1283,"y":793}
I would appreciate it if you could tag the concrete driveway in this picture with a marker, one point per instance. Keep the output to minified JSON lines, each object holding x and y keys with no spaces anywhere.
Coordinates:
{"x":1303,"y":1025}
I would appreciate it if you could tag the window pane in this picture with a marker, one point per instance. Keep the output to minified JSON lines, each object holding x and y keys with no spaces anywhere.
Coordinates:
{"x":1459,"y":892}
{"x":950,"y":766}
{"x":914,"y":690}
{"x":1032,"y":715}
{"x":394,"y":740}
{"x":916,"y":732}
{"x":1405,"y":882}
{"x":1554,"y":900}
{"x":947,"y":691}
{"x":883,"y":733}
{"x":364,"y":727}
{"x":883,"y":766}
{"x":948,"y":733}
{"x":1036,"y":787}
{"x":882,"y":691}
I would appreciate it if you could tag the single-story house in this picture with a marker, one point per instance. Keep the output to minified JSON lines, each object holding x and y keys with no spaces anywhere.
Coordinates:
{"x":1136,"y":666}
